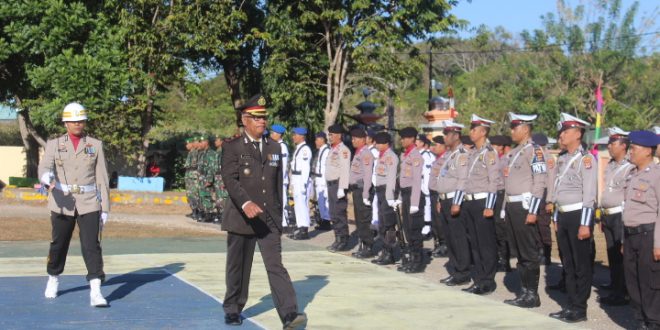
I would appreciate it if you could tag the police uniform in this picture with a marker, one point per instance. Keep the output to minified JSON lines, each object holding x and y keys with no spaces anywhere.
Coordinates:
{"x":320,"y":185}
{"x":481,"y":194}
{"x":300,"y":170}
{"x":439,"y":245}
{"x":544,"y":218}
{"x":74,"y":170}
{"x":501,"y":229}
{"x":386,"y":189}
{"x":641,"y":220}
{"x":360,"y":187}
{"x":451,"y":189}
{"x":412,"y":201}
{"x":337,"y":171}
{"x":285,"y":174}
{"x":252,"y":172}
{"x":611,"y":205}
{"x":525,"y":181}
{"x":429,"y":158}
{"x":374,"y":197}
{"x":574,"y":198}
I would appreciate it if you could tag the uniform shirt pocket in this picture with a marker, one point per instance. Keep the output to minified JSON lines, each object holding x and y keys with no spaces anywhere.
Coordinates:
{"x":639,"y":193}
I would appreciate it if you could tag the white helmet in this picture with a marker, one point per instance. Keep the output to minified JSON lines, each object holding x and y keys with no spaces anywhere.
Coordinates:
{"x":74,"y":112}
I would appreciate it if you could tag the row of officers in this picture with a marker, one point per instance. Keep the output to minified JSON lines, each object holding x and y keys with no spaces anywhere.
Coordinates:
{"x":484,"y":202}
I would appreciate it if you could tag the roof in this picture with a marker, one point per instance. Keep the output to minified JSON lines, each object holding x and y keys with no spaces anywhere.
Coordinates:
{"x":7,"y":112}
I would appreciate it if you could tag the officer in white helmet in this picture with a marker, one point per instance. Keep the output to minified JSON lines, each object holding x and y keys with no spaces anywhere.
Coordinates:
{"x":73,"y":169}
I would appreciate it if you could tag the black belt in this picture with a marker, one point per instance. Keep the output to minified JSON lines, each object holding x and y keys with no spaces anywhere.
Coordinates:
{"x":645,"y":228}
{"x":333,"y":182}
{"x":406,"y":189}
{"x":296,"y":172}
{"x":381,"y":187}
{"x":354,"y":186}
{"x":500,"y":192}
{"x":316,"y":174}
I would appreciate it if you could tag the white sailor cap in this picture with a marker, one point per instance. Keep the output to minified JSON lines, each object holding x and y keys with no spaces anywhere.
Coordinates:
{"x":518,"y":119}
{"x":567,"y":121}
{"x":615,"y":131}
{"x":451,"y":126}
{"x":656,"y":130}
{"x":478,"y":121}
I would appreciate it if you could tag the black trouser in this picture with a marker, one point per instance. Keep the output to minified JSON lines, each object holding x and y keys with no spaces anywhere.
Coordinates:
{"x":524,"y":241}
{"x":240,"y":251}
{"x":362,"y":216}
{"x":412,"y":223}
{"x":337,"y":209}
{"x":483,"y":244}
{"x":543,"y":223}
{"x":576,"y":259}
{"x":436,"y":222}
{"x":613,"y":230}
{"x":90,"y":245}
{"x":642,"y":276}
{"x":458,"y":248}
{"x":501,"y":229}
{"x":386,"y":219}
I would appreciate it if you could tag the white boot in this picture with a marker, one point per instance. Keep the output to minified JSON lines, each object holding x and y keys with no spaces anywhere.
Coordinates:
{"x":95,"y":297}
{"x":52,"y":286}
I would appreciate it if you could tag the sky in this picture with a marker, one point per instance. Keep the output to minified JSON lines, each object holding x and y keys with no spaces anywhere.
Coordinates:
{"x":518,"y":15}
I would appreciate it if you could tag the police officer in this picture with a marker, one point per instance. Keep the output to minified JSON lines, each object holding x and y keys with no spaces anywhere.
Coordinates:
{"x":73,"y":169}
{"x":277,"y":133}
{"x":251,"y":169}
{"x":611,"y":204}
{"x":451,"y":189}
{"x":423,"y":144}
{"x":337,"y":170}
{"x":439,"y":149}
{"x":300,"y":169}
{"x":386,"y":189}
{"x":371,"y":144}
{"x":412,"y":200}
{"x":524,"y":179}
{"x":501,"y":230}
{"x":641,"y":220}
{"x":359,"y":184}
{"x":543,"y":219}
{"x":320,"y":185}
{"x":574,"y":198}
{"x":479,"y":205}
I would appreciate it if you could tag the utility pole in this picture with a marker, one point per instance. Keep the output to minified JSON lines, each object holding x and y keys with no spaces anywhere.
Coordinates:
{"x":430,"y":70}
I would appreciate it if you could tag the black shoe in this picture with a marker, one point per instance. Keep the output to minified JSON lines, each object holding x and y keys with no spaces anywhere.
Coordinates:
{"x":359,"y":250}
{"x":333,"y":246}
{"x":446,"y":279}
{"x":471,"y":288}
{"x":233,"y":319}
{"x":386,"y":258}
{"x":301,"y":234}
{"x":323,"y":225}
{"x":503,"y":266}
{"x":574,"y":316}
{"x":440,"y":251}
{"x":294,"y":320}
{"x":530,"y":299}
{"x":484,"y":290}
{"x":367,"y":252}
{"x":342,"y":245}
{"x":455,"y":281}
{"x":613,"y":300}
{"x":189,"y":215}
{"x":559,"y":315}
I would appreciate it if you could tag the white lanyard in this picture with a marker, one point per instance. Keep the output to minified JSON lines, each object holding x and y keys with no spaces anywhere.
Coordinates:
{"x":623,"y":166}
{"x":568,"y":165}
{"x":475,"y":161}
{"x":443,"y":170}
{"x":513,"y":161}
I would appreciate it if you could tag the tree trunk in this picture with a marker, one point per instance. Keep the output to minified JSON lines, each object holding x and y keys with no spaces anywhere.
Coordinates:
{"x":147,"y":124}
{"x":31,"y":141}
{"x":230,"y":69}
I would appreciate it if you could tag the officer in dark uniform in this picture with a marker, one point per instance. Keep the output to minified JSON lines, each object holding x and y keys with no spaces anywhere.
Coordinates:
{"x":252,"y":171}
{"x":641,"y":220}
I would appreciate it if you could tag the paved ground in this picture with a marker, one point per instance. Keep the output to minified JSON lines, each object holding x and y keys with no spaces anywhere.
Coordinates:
{"x":335,"y":290}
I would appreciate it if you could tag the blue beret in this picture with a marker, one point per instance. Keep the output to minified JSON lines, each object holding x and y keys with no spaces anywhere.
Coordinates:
{"x":277,"y":128}
{"x":644,"y":138}
{"x":300,"y":131}
{"x":371,"y":133}
{"x":321,"y":135}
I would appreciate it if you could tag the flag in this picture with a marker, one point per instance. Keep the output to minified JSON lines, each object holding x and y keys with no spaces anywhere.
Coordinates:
{"x":599,"y":100}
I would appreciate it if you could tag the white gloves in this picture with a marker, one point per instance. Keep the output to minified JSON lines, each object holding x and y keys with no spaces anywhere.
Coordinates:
{"x":394,"y":203}
{"x":414,"y":209}
{"x":103,"y":219}
{"x":47,"y":178}
{"x":340,"y":193}
{"x":502,"y":213}
{"x":366,"y":202}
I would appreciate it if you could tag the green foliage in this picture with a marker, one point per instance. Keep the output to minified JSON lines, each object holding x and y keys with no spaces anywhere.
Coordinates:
{"x":10,"y":135}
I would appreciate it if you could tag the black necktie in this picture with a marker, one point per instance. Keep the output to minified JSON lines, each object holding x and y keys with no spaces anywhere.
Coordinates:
{"x":257,"y":145}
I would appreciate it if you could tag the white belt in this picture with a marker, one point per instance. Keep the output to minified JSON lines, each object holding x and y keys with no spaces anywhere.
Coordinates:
{"x":444,"y":196}
{"x":475,"y":197}
{"x":514,"y":198}
{"x":613,"y":210}
{"x":76,"y":189}
{"x":570,"y":207}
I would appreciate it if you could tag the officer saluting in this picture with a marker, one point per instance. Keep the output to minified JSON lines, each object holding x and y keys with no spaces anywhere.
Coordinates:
{"x":479,"y":205}
{"x":74,"y":170}
{"x":337,"y":167}
{"x":300,"y":169}
{"x":611,"y":203}
{"x":252,"y":172}
{"x":386,"y":170}
{"x":641,"y":218}
{"x":360,"y":186}
{"x":573,"y":198}
{"x":524,"y":180}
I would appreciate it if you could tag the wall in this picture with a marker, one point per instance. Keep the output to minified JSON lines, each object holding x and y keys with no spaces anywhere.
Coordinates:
{"x":12,"y":163}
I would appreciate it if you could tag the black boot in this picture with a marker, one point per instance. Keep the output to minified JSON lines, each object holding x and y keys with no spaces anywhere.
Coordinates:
{"x":547,"y":253}
{"x":323,"y":225}
{"x":520,"y":297}
{"x":386,"y":257}
{"x":343,"y":244}
{"x":367,"y":252}
{"x":440,"y":251}
{"x":301,"y":234}
{"x":359,"y":250}
{"x":417,"y":264}
{"x":532,"y":299}
{"x":406,"y":260}
{"x":503,"y":265}
{"x":333,"y":246}
{"x":201,"y":217}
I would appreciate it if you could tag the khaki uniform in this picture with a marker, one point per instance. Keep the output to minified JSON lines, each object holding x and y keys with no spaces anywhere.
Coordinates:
{"x":451,"y":190}
{"x":480,"y":194}
{"x":337,"y":174}
{"x":525,"y":181}
{"x":574,"y":196}
{"x":410,"y":181}
{"x":386,"y":189}
{"x":81,"y":192}
{"x":360,"y":186}
{"x":641,"y":218}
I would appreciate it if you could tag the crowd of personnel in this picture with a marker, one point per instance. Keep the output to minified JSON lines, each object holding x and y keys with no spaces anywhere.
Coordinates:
{"x":482,"y":199}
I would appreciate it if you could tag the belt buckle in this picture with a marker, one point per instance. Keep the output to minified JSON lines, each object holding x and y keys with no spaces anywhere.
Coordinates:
{"x":75,"y":189}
